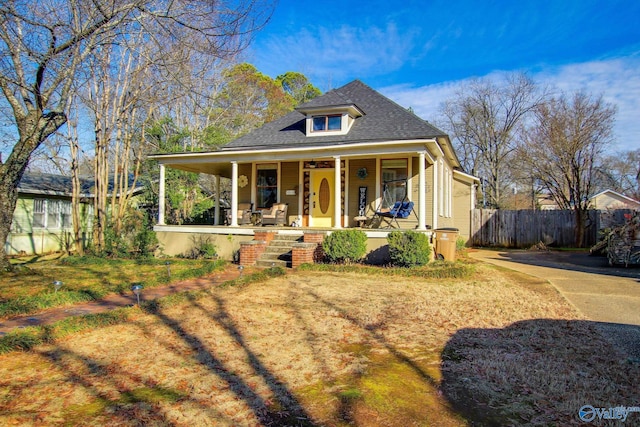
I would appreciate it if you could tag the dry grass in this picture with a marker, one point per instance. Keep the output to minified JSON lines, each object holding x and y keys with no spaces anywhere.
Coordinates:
{"x":319,"y":348}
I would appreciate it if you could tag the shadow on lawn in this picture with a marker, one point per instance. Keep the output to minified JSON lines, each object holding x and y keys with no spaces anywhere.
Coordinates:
{"x":285,"y":408}
{"x":571,"y":260}
{"x":135,"y":397}
{"x":537,"y":372}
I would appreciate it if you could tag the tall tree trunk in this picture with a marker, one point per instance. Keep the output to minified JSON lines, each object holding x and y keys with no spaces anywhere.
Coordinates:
{"x":74,"y":148}
{"x":581,"y":219}
{"x":33,"y":128}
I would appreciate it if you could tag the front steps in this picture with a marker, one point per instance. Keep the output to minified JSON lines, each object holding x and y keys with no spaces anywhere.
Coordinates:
{"x":278,"y":251}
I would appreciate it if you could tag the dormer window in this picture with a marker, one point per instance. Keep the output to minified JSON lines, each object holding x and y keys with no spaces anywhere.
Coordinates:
{"x":329,"y":120}
{"x":327,"y":123}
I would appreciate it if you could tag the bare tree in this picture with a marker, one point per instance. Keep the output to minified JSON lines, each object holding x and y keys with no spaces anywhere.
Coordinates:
{"x":563,"y":147}
{"x":483,"y":118}
{"x":620,"y":172}
{"x":44,"y":45}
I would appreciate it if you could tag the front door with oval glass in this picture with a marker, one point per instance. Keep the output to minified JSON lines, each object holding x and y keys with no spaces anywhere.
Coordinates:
{"x":321,"y":198}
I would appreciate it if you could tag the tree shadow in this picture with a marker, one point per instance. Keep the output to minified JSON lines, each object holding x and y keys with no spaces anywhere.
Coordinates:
{"x":124,"y":405}
{"x":570,"y":260}
{"x":536,"y":372}
{"x":378,"y":337}
{"x":284,"y":409}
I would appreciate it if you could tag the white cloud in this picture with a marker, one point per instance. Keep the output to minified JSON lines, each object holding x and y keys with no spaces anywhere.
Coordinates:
{"x":616,"y":79}
{"x":327,"y":53}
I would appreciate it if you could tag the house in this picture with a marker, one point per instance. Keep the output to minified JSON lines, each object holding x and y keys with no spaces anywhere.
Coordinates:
{"x":42,"y":220}
{"x":609,"y":199}
{"x":333,"y":163}
{"x":547,"y":203}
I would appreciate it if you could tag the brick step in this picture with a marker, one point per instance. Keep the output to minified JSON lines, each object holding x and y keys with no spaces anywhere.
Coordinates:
{"x":276,"y":255}
{"x":273,"y":263}
{"x":287,"y":237}
{"x":280,"y":251}
{"x":282,"y":243}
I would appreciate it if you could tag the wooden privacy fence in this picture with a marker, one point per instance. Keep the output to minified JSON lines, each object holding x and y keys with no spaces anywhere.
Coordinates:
{"x":524,"y":228}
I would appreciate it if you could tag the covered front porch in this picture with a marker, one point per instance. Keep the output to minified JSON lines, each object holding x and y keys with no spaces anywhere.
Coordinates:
{"x":333,"y":188}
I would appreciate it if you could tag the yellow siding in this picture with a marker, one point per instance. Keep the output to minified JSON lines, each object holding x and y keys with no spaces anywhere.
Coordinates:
{"x":244,"y":193}
{"x":462,"y":208}
{"x":289,"y":173}
{"x":429,"y":201}
{"x":355,"y":183}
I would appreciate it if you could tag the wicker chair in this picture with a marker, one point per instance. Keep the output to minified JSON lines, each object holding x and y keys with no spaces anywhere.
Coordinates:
{"x":244,"y":213}
{"x":277,"y":215}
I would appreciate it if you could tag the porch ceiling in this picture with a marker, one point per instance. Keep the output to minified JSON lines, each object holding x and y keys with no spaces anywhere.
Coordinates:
{"x":221,"y":169}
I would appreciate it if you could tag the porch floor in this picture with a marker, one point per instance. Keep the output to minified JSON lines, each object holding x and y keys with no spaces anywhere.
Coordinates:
{"x":249,"y":230}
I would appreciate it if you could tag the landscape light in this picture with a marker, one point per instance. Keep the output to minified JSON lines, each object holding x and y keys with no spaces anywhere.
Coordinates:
{"x":136,"y":290}
{"x":240,"y":268}
{"x":57,"y":284}
{"x":168,"y":264}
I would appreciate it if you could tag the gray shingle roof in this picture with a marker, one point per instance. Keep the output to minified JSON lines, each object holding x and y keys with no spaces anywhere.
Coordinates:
{"x":383,"y":120}
{"x":45,"y":183}
{"x":60,"y":185}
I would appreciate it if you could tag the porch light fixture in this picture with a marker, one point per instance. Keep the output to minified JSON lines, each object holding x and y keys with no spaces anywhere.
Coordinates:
{"x":136,"y":290}
{"x":57,"y":284}
{"x":312,"y":164}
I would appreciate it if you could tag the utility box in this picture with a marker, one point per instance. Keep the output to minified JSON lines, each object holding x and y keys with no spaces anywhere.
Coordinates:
{"x":446,"y":243}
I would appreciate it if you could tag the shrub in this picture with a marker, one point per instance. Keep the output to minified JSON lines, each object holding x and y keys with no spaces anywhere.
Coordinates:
{"x":145,"y":242}
{"x":408,"y":248}
{"x":345,"y":246}
{"x":202,"y":248}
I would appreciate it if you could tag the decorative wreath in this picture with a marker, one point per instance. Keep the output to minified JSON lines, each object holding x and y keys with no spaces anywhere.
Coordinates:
{"x":362,"y":173}
{"x":243,"y":181}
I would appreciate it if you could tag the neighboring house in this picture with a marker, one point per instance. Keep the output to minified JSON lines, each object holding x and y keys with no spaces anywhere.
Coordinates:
{"x":329,"y":161}
{"x":42,"y":220}
{"x":609,"y":199}
{"x":546,"y":203}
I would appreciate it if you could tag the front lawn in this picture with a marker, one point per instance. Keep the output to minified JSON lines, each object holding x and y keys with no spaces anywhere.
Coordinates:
{"x":30,"y":289}
{"x":334,"y":349}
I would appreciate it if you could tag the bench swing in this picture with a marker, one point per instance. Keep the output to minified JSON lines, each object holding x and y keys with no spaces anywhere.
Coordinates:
{"x":394,"y":194}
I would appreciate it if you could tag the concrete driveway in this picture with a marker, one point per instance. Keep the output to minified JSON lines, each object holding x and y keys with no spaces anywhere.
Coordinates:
{"x":607,"y":295}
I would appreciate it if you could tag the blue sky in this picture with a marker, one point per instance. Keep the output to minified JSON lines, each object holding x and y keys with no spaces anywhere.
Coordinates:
{"x":418,"y":52}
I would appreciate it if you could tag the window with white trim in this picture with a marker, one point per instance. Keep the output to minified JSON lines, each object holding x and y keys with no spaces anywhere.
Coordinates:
{"x":39,"y":216}
{"x":266,"y":185}
{"x":394,"y":174}
{"x":51,"y":214}
{"x":327,"y":123}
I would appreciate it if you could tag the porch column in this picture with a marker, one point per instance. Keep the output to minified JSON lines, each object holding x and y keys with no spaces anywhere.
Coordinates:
{"x":436,"y":189}
{"x":422,"y":190}
{"x":161,"y":197}
{"x":337,"y":204}
{"x":234,"y":194}
{"x":216,"y":220}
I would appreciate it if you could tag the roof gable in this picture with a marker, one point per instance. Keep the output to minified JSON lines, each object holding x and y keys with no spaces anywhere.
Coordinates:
{"x":382,"y":120}
{"x":615,"y":195}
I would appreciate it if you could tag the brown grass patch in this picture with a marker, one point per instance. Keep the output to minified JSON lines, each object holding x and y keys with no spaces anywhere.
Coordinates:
{"x":321,"y":348}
